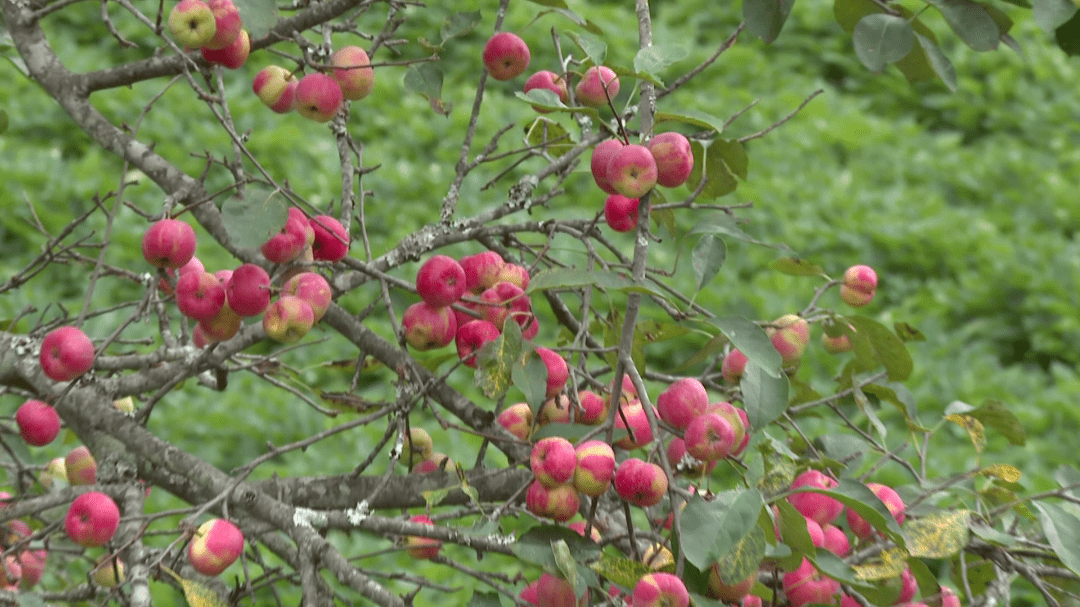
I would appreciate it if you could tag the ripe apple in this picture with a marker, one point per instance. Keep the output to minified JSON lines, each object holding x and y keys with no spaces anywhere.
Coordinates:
{"x":891,"y":498}
{"x":276,"y":88}
{"x":601,"y":158}
{"x":92,"y":519}
{"x":682,"y":401}
{"x":233,"y":56}
{"x":637,"y":420}
{"x":481,"y":271}
{"x":632,"y":171}
{"x":674,"y":159}
{"x":506,"y":56}
{"x":38,"y":422}
{"x":217,"y":543}
{"x":331,"y":239}
{"x":621,"y":213}
{"x":427,"y":327}
{"x":352,"y":71}
{"x":949,"y":598}
{"x":789,"y":335}
{"x":66,"y":353}
{"x":108,"y":573}
{"x":223,"y":326}
{"x":859,"y":285}
{"x":548,"y":81}
{"x":684,"y":463}
{"x":81,"y":466}
{"x":419,"y":547}
{"x":248,"y":291}
{"x":560,"y":503}
{"x":554,"y":591}
{"x":440,"y":281}
{"x":227,"y":24}
{"x":639,"y":482}
{"x":553,"y":461}
{"x":597,"y":86}
{"x":530,"y":595}
{"x":734,"y":366}
{"x":709,"y":437}
{"x":290,"y":241}
{"x":192,"y":23}
{"x":514,"y":274}
{"x":739,"y":423}
{"x":517,"y":419}
{"x":313,"y":289}
{"x":660,"y":589}
{"x":288,"y":319}
{"x":595,"y":467}
{"x":835,"y":540}
{"x":472,"y":336}
{"x":815,"y":506}
{"x":436,"y":462}
{"x":557,"y":371}
{"x":199,"y":295}
{"x":193,"y":265}
{"x":416,"y":447}
{"x":594,"y":408}
{"x":169,"y":243}
{"x":805,"y":586}
{"x":318,"y":97}
{"x":33,"y":567}
{"x":728,"y":592}
{"x":507,"y":300}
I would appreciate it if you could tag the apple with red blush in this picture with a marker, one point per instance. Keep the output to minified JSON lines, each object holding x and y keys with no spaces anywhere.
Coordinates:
{"x":517,"y":419}
{"x":216,"y":545}
{"x":313,"y":289}
{"x":233,"y":56}
{"x":228,"y":24}
{"x":275,"y":86}
{"x":199,"y":295}
{"x":674,"y":159}
{"x":419,"y":547}
{"x":248,"y":291}
{"x":440,"y":281}
{"x":482,"y":271}
{"x":595,"y":467}
{"x":38,"y":422}
{"x":553,"y":461}
{"x":659,"y":589}
{"x":546,"y":80}
{"x":597,"y":86}
{"x":169,"y":243}
{"x":632,"y":171}
{"x":621,"y":213}
{"x":92,"y":519}
{"x":288,"y":319}
{"x":471,"y":337}
{"x":640,"y":483}
{"x":318,"y":97}
{"x":506,"y":56}
{"x":557,"y":371}
{"x":560,"y":502}
{"x":632,"y":417}
{"x":81,"y":467}
{"x":352,"y":71}
{"x":427,"y":327}
{"x":682,"y":401}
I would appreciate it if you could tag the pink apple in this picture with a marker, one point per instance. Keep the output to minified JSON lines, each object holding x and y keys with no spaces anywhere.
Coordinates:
{"x":739,"y":423}
{"x":192,"y":23}
{"x":440,"y":281}
{"x":421,"y":548}
{"x":290,"y":241}
{"x":81,"y":466}
{"x":506,"y":300}
{"x":92,"y":519}
{"x":331,"y":239}
{"x":38,"y":422}
{"x":632,"y":415}
{"x":248,"y":291}
{"x":288,"y":319}
{"x":709,"y":437}
{"x":318,"y":97}
{"x":579,"y":527}
{"x":859,"y":285}
{"x":471,"y":337}
{"x":427,"y":328}
{"x":601,"y":158}
{"x":530,"y":595}
{"x":199,"y":295}
{"x":891,"y":498}
{"x":674,"y":159}
{"x":789,"y":335}
{"x":506,"y":56}
{"x":435,"y":462}
{"x":595,"y":467}
{"x":517,"y":419}
{"x":560,"y":503}
{"x":547,"y":81}
{"x":313,"y":289}
{"x":66,"y":353}
{"x":169,"y":243}
{"x":276,"y":88}
{"x":233,"y":56}
{"x":165,"y":284}
{"x":632,"y":171}
{"x":621,"y":213}
{"x":223,"y":326}
{"x":949,"y":598}
{"x":228,"y":24}
{"x":639,"y":482}
{"x":33,"y":567}
{"x":557,"y":371}
{"x":908,"y":586}
{"x":835,"y":540}
{"x":734,"y":366}
{"x":594,"y":408}
{"x":660,"y":590}
{"x":629,"y":390}
{"x":553,"y":461}
{"x":682,"y":401}
{"x":482,"y":271}
{"x":597,"y":86}
{"x":352,"y":71}
{"x":816,"y":506}
{"x":553,"y":591}
{"x":728,"y":592}
{"x":217,"y":543}
{"x":805,"y":586}
{"x":684,"y":463}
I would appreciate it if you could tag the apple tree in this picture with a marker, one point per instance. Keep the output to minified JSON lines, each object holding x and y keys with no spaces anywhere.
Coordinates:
{"x":512,"y":385}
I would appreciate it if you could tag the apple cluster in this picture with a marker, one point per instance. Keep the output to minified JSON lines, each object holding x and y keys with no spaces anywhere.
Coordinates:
{"x":419,"y":455}
{"x":562,"y":471}
{"x":317,"y":96}
{"x":214,"y":27}
{"x":626,"y":172}
{"x":21,"y":567}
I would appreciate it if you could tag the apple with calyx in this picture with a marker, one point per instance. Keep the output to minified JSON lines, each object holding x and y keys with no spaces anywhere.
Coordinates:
{"x":227,"y":24}
{"x":597,"y":86}
{"x":472,"y":336}
{"x":331,"y":239}
{"x":248,"y":291}
{"x":601,"y":158}
{"x":557,"y":371}
{"x":108,"y":573}
{"x":621,"y":213}
{"x":547,"y":81}
{"x":858,"y":286}
{"x":313,"y":289}
{"x":789,"y":335}
{"x":427,"y":327}
{"x":560,"y":503}
{"x":660,"y":590}
{"x":632,"y":171}
{"x":199,"y":295}
{"x":318,"y":97}
{"x":674,"y":159}
{"x":440,"y":281}
{"x":192,"y":23}
{"x":92,"y":519}
{"x":216,"y":545}
{"x":81,"y":466}
{"x":739,"y":421}
{"x":682,"y":401}
{"x":482,"y":271}
{"x":639,"y":482}
{"x":288,"y":319}
{"x":276,"y":88}
{"x":517,"y":419}
{"x":169,"y":243}
{"x":422,"y":547}
{"x":233,"y":56}
{"x":553,"y":461}
{"x":66,"y":353}
{"x":709,"y":437}
{"x":38,"y":422}
{"x":352,"y":71}
{"x":193,"y":265}
{"x":506,"y":56}
{"x":556,"y":411}
{"x":595,"y":467}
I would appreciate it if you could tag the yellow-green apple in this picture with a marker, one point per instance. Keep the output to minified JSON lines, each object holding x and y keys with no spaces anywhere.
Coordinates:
{"x":233,"y":56}
{"x":709,"y":437}
{"x":108,"y":573}
{"x":434,"y":462}
{"x":594,"y":408}
{"x":660,"y":589}
{"x":227,"y":24}
{"x":682,"y":401}
{"x":557,"y":371}
{"x":835,"y":540}
{"x":290,"y":241}
{"x":276,"y":88}
{"x":513,"y":273}
{"x":81,"y":466}
{"x":331,"y":239}
{"x":892,"y":501}
{"x":684,"y":463}
{"x":38,"y":422}
{"x":517,"y":419}
{"x":621,"y":213}
{"x":547,"y":81}
{"x":55,"y":471}
{"x":632,"y":416}
{"x":416,"y":447}
{"x":858,"y":286}
{"x":639,"y":482}
{"x":419,"y":547}
{"x":192,"y":23}
{"x":288,"y":319}
{"x":199,"y":295}
{"x":66,"y":353}
{"x":601,"y":158}
{"x":556,"y":410}
{"x":169,"y":243}
{"x":223,"y":326}
{"x":560,"y":503}
{"x":440,"y":281}
{"x":816,"y":506}
{"x":472,"y":336}
{"x":92,"y":519}
{"x":427,"y":327}
{"x":579,"y":527}
{"x":595,"y":467}
{"x":728,"y":592}
{"x":553,"y":461}
{"x":506,"y":56}
{"x":836,"y":345}
{"x":806,"y":586}
{"x":789,"y":335}
{"x":674,"y":160}
{"x":554,"y":591}
{"x":217,"y":543}
{"x":632,"y":171}
{"x":481,"y":271}
{"x":506,"y":300}
{"x":734,"y":366}
{"x":313,"y":289}
{"x":248,"y":291}
{"x":597,"y":86}
{"x":318,"y":97}
{"x":352,"y":71}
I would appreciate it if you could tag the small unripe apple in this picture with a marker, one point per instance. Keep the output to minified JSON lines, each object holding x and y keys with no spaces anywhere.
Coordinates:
{"x":313,"y":289}
{"x":639,"y":482}
{"x":621,"y":213}
{"x":223,"y":326}
{"x":276,"y":88}
{"x":682,"y":401}
{"x":859,"y":285}
{"x":421,"y":548}
{"x":416,"y":447}
{"x":109,"y":573}
{"x":789,"y":335}
{"x":557,"y":371}
{"x":199,"y":295}
{"x":517,"y":419}
{"x":471,"y":337}
{"x":595,"y":467}
{"x":836,"y":345}
{"x":38,"y":422}
{"x":192,"y":23}
{"x":734,"y":366}
{"x":674,"y":159}
{"x":352,"y":71}
{"x":233,"y":56}
{"x":553,"y":461}
{"x":506,"y":56}
{"x":556,"y":411}
{"x":169,"y":243}
{"x":440,"y":281}
{"x":632,"y":171}
{"x":288,"y":319}
{"x":216,"y":545}
{"x":227,"y":24}
{"x":660,"y":589}
{"x":318,"y":97}
{"x":248,"y":291}
{"x":55,"y":471}
{"x":81,"y":466}
{"x":331,"y":239}
{"x":597,"y":86}
{"x":92,"y":519}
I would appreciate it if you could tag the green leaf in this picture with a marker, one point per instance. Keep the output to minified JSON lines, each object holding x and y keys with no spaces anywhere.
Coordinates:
{"x":941,"y":64}
{"x":744,"y":558}
{"x":1068,"y":36}
{"x":765,"y":396}
{"x":752,"y":341}
{"x":881,"y":39}
{"x":888,"y":349}
{"x":971,"y":22}
{"x":1062,"y":530}
{"x":938,"y":535}
{"x":484,"y":599}
{"x":720,"y":163}
{"x":765,"y":18}
{"x":620,"y":570}
{"x":426,"y":79}
{"x":543,"y":99}
{"x":575,"y":279}
{"x":594,"y":48}
{"x":653,"y":331}
{"x":252,"y":220}
{"x":793,"y":529}
{"x":4,"y":122}
{"x":734,"y":154}
{"x":708,"y":257}
{"x":259,"y":16}
{"x":849,"y":12}
{"x":554,"y":3}
{"x":793,"y":266}
{"x":695,"y":118}
{"x":459,"y":24}
{"x":495,"y":360}
{"x":654,"y":58}
{"x":719,"y":525}
{"x":549,"y":135}
{"x":1052,"y":14}
{"x":529,"y":374}
{"x":997,"y":416}
{"x":720,"y":223}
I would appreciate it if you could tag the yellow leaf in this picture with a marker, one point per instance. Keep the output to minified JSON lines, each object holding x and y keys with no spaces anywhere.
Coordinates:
{"x":939,"y":535}
{"x":197,"y":594}
{"x":974,"y":429}
{"x":891,"y":564}
{"x":1005,"y":472}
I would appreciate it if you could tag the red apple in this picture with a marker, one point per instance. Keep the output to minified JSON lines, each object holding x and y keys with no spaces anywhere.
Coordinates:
{"x":891,"y":498}
{"x":290,"y":241}
{"x":553,"y":461}
{"x":233,"y":56}
{"x":805,"y":586}
{"x":352,"y":71}
{"x":553,"y":591}
{"x":621,"y":213}
{"x":506,"y":300}
{"x":632,"y":171}
{"x":734,"y":366}
{"x":517,"y":419}
{"x":597,"y":86}
{"x":421,"y":548}
{"x":193,"y":265}
{"x":223,"y":326}
{"x":595,"y":467}
{"x":482,"y":271}
{"x":560,"y":503}
{"x":435,"y":462}
{"x":684,"y":463}
{"x":33,"y":567}
{"x":331,"y":239}
{"x":601,"y":158}
{"x":288,"y":319}
{"x":637,"y":420}
{"x":660,"y":590}
{"x":639,"y":482}
{"x":81,"y":466}
{"x":217,"y":543}
{"x":318,"y":97}
{"x":169,"y":243}
{"x":739,"y":421}
{"x":313,"y":289}
{"x":199,"y":295}
{"x":682,"y":401}
{"x":836,"y":345}
{"x":548,"y":81}
{"x":248,"y":291}
{"x":674,"y":159}
{"x":66,"y":353}
{"x":276,"y":88}
{"x":594,"y":408}
{"x":228,"y":24}
{"x":92,"y":519}
{"x":427,"y":328}
{"x":506,"y":56}
{"x":579,"y":527}
{"x":440,"y":281}
{"x":557,"y":371}
{"x":471,"y":337}
{"x":709,"y":437}
{"x":513,"y":274}
{"x":789,"y":335}
{"x":38,"y":422}
{"x":835,"y":540}
{"x":859,"y":285}
{"x":816,"y":506}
